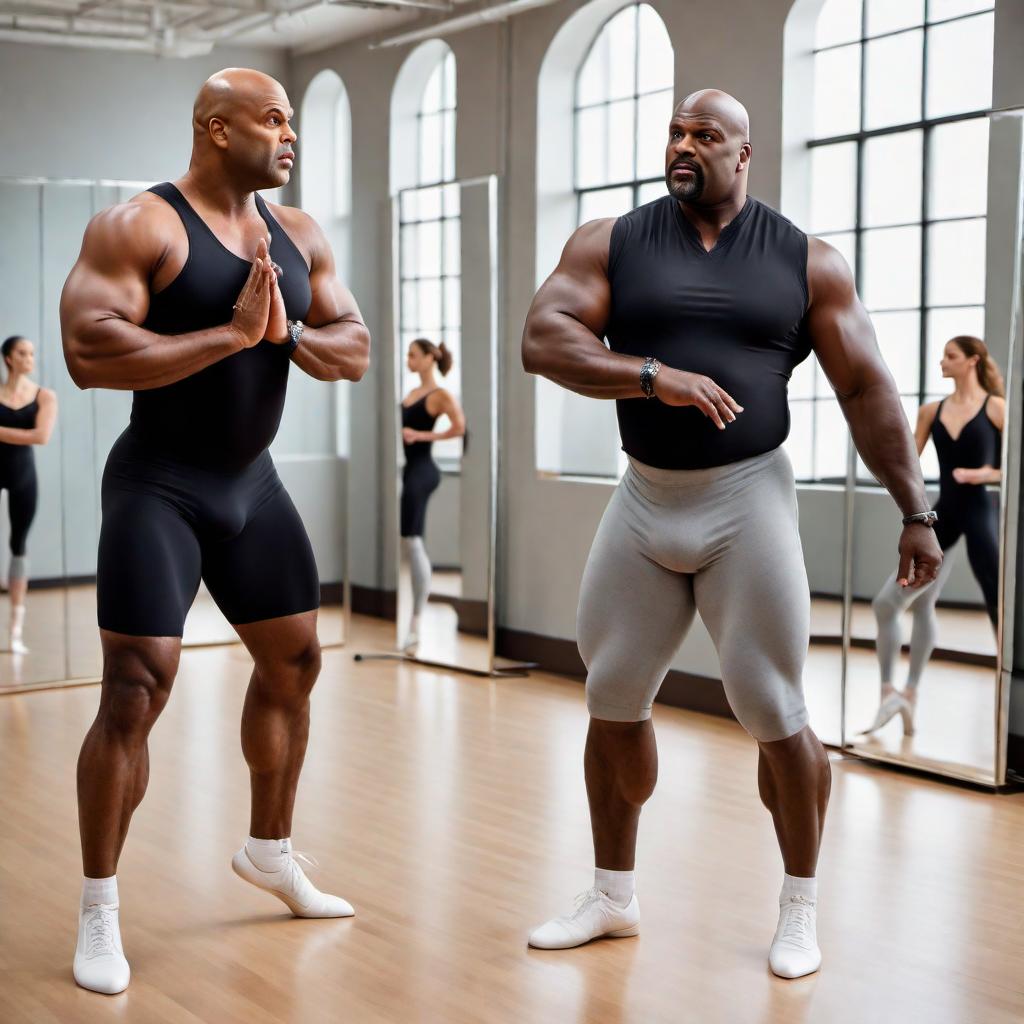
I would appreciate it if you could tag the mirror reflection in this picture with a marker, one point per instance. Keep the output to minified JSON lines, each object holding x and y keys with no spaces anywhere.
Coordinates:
{"x":932,"y":651}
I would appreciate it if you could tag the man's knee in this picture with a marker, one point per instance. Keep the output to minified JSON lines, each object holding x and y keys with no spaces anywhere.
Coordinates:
{"x":290,"y":673}
{"x":136,"y":685}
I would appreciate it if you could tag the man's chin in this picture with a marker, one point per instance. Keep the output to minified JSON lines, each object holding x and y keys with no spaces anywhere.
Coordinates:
{"x":683,"y":193}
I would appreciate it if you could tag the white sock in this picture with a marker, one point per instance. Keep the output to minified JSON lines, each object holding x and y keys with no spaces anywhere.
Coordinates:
{"x":618,"y":885}
{"x":99,"y":890}
{"x":268,"y":854}
{"x":793,"y":885}
{"x":17,"y":619}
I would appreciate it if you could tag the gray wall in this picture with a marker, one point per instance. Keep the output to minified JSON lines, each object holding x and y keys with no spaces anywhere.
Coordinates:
{"x":103,"y":117}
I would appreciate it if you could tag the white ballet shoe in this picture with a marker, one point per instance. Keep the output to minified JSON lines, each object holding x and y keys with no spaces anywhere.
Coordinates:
{"x":595,"y":916}
{"x":291,"y":886}
{"x":17,"y":646}
{"x":100,"y":964}
{"x":894,"y":704}
{"x":794,"y":950}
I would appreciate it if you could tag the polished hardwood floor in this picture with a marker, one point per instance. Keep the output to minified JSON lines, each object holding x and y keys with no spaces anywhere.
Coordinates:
{"x":450,"y":810}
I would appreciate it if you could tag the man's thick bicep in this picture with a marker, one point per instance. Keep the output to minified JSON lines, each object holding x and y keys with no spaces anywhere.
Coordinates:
{"x":580,"y":293}
{"x":843,"y":339}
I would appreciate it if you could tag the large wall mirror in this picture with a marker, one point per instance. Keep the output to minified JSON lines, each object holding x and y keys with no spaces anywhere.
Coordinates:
{"x":445,"y":400}
{"x":43,"y":226}
{"x":925,"y":687}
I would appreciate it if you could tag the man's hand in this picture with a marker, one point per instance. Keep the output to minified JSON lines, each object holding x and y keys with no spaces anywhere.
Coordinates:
{"x":277,"y":322}
{"x":677,"y":387}
{"x":252,"y":310}
{"x":920,"y":556}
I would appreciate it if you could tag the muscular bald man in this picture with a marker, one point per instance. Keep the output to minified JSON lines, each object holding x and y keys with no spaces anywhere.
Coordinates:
{"x":709,"y":299}
{"x":198,"y":296}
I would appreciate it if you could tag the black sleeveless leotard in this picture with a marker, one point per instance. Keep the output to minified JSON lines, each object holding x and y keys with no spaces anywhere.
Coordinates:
{"x":735,"y":314}
{"x":968,"y":509}
{"x":190,"y":490}
{"x":18,"y":474}
{"x":420,"y":475}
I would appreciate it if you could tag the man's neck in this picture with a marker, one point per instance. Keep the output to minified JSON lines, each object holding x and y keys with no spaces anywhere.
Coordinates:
{"x":215,"y":191}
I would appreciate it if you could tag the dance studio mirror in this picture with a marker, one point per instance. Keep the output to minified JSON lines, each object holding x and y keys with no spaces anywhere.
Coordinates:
{"x":445,"y":401}
{"x":924,"y":686}
{"x":43,"y":226}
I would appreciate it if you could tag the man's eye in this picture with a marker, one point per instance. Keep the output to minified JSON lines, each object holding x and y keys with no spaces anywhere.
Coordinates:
{"x":275,"y":120}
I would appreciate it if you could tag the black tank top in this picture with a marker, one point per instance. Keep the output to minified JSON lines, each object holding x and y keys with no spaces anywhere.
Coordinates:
{"x":16,"y":458}
{"x":222,"y":417}
{"x":734,"y":314}
{"x":978,"y":444}
{"x":417,"y":417}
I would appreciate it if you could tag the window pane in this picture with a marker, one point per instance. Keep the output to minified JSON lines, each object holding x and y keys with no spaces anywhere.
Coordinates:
{"x":837,"y":92}
{"x":956,"y":263}
{"x":798,"y":444}
{"x":430,"y":148}
{"x":591,"y":147}
{"x":622,"y":138}
{"x":801,"y":383}
{"x":899,"y":339}
{"x":429,"y":203}
{"x":838,"y":22}
{"x":407,"y":245}
{"x":622,"y":54}
{"x":409,"y":206}
{"x":846,"y":243}
{"x":960,"y":66}
{"x":448,"y":141}
{"x":452,"y":252}
{"x":409,"y":317}
{"x":833,"y":187}
{"x":830,"y":434}
{"x":944,"y":324}
{"x":452,"y":302}
{"x":448,"y":93}
{"x":650,"y":191}
{"x":892,"y":15}
{"x":958,"y":169}
{"x":656,"y":58}
{"x":592,"y":84}
{"x":892,"y":179}
{"x":452,"y":200}
{"x":893,"y":88}
{"x":892,"y":268}
{"x":428,"y":250}
{"x":432,"y":93}
{"x":653,"y":115}
{"x":939,"y":9}
{"x":428,"y":306}
{"x":609,"y":202}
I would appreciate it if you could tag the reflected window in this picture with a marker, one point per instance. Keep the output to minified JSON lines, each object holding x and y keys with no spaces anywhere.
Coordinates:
{"x":623,"y":106}
{"x":435,"y":125}
{"x":899,"y":170}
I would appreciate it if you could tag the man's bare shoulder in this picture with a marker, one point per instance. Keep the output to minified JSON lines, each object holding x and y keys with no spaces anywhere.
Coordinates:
{"x":589,"y":244}
{"x":141,"y":226}
{"x":295,"y":221}
{"x":828,"y":274}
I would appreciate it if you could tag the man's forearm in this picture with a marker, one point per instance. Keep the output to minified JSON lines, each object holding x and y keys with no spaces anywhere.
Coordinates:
{"x":338,"y":351}
{"x":566,"y":352}
{"x":121,"y":356}
{"x":881,"y":435}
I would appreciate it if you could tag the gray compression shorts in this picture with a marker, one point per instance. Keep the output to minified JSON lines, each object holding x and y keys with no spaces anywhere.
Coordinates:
{"x":724,"y":542}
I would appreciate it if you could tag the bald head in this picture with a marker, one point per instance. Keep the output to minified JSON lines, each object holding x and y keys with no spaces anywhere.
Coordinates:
{"x":718,"y":105}
{"x":235,"y":90}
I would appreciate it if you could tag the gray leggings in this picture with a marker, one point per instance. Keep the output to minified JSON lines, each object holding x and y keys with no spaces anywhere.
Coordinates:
{"x":722,"y":541}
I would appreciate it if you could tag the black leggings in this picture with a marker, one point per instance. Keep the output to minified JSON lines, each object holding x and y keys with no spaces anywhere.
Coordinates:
{"x":420,"y":478}
{"x":977,"y":520}
{"x":166,"y":524}
{"x":22,"y":498}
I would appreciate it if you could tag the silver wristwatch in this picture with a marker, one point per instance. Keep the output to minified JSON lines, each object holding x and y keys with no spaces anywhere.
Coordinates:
{"x":929,"y":518}
{"x":295,"y":329}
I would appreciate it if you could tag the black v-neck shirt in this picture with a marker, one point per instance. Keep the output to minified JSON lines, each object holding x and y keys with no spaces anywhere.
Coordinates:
{"x":224,"y":416}
{"x":734,"y":313}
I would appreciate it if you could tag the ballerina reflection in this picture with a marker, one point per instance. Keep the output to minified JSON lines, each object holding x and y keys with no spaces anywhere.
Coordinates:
{"x":421,"y":476}
{"x":966,"y":429}
{"x":27,"y":415}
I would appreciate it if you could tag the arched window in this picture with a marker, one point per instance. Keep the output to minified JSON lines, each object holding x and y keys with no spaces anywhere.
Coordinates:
{"x":622,"y":110}
{"x":429,"y":239}
{"x":898,"y":176}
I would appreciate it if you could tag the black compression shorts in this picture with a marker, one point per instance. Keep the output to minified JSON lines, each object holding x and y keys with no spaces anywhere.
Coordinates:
{"x":166,"y":524}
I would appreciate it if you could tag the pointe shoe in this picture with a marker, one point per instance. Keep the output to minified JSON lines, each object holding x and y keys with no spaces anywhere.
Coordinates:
{"x":894,"y":704}
{"x":907,"y":714}
{"x":595,"y":916}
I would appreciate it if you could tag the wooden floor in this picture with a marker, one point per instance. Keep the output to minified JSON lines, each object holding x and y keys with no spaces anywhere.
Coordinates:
{"x":450,"y":810}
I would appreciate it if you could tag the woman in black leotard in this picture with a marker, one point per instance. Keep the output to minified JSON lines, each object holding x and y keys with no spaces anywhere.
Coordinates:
{"x":27,"y":415}
{"x":421,"y":476}
{"x":966,"y":429}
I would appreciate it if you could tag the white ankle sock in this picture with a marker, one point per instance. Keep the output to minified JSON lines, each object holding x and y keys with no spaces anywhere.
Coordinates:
{"x":793,"y":885}
{"x":618,"y":885}
{"x":17,"y":620}
{"x":99,"y":890}
{"x":268,"y":854}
